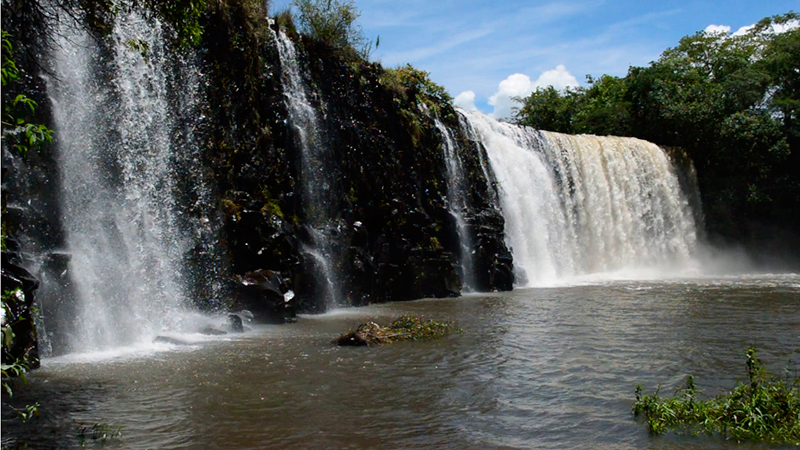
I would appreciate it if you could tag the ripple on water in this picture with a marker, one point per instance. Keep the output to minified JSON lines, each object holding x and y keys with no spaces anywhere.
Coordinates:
{"x":535,"y":368}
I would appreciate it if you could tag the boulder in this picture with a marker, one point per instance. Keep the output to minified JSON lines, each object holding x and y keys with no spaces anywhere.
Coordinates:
{"x":266,"y":295}
{"x":405,"y":328}
{"x":170,"y":340}
{"x":235,"y":322}
{"x":211,"y":331}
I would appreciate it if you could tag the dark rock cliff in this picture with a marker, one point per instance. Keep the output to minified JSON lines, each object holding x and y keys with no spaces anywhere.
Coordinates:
{"x":392,"y":232}
{"x":394,"y":235}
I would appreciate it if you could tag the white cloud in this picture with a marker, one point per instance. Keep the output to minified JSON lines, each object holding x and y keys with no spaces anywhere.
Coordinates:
{"x":743,"y":30}
{"x":784,"y":27}
{"x":775,"y":28}
{"x":517,"y":85}
{"x":466,"y":100}
{"x":718,"y":29}
{"x":559,"y":78}
{"x":521,"y":85}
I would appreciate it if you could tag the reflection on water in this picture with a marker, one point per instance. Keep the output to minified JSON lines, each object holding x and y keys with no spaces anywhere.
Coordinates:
{"x":536,"y":368}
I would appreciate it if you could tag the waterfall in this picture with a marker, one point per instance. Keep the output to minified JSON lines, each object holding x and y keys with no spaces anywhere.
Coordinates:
{"x":578,"y":205}
{"x":126,"y":153}
{"x":457,"y":205}
{"x":318,"y":189}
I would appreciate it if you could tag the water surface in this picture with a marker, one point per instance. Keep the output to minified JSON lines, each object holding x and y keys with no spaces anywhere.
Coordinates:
{"x":535,"y":368}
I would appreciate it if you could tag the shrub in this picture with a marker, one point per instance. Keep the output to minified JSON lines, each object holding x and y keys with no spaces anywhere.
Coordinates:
{"x":333,"y":22}
{"x":764,"y":409}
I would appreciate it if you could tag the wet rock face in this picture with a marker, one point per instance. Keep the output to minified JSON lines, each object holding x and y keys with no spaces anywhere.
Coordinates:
{"x":265,"y":294}
{"x":395,"y":238}
{"x":495,"y":267}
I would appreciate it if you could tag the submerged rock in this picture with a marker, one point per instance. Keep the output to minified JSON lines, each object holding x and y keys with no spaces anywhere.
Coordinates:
{"x":170,"y":340}
{"x":406,"y":328}
{"x":211,"y":331}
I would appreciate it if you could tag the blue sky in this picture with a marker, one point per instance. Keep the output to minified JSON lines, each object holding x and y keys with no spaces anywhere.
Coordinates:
{"x":483,"y":51}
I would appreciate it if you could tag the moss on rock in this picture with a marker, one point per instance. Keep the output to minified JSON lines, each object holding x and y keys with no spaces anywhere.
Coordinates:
{"x":406,"y":328}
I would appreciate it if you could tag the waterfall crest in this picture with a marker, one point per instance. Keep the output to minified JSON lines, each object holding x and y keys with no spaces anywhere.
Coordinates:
{"x":579,"y":205}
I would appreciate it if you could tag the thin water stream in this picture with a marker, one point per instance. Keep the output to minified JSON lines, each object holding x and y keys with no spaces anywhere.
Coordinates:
{"x":535,"y":368}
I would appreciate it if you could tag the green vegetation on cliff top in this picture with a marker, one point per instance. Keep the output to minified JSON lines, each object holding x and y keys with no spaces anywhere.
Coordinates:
{"x":732,"y":103}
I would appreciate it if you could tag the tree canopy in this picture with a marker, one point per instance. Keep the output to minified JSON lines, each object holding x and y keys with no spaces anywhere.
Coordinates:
{"x":731,"y":102}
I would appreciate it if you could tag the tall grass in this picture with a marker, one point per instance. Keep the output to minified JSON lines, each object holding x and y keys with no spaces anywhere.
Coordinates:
{"x":764,"y":409}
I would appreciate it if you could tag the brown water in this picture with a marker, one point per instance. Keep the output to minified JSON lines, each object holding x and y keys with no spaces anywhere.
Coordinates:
{"x":536,"y":368}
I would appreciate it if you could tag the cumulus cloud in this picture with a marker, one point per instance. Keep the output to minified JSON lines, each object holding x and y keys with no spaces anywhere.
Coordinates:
{"x":559,"y":78}
{"x":717,"y":29}
{"x":517,"y":85}
{"x":743,"y":30}
{"x":521,"y":85}
{"x":776,"y":28}
{"x":784,"y":27}
{"x":466,"y":100}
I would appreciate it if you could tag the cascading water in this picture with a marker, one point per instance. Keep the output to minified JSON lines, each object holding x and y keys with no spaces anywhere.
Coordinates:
{"x":458,"y":205}
{"x":120,"y":148}
{"x":625,"y":203}
{"x":577,"y":205}
{"x":317,"y":185}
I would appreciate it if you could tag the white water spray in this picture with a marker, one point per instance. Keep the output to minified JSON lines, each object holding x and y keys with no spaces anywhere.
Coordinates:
{"x":579,"y":205}
{"x":117,"y":157}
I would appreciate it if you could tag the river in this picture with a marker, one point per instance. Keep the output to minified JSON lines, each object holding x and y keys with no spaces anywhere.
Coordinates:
{"x":534,"y":368}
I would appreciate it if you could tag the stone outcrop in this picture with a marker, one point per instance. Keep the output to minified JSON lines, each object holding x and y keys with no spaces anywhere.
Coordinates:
{"x":394,"y":236}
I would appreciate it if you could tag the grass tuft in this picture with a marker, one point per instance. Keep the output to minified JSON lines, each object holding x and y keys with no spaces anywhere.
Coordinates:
{"x":406,"y":328}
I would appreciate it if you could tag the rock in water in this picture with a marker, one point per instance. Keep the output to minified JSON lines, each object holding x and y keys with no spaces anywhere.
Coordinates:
{"x":263,"y":294}
{"x":211,"y":331}
{"x":406,"y":328}
{"x":235,"y":323}
{"x":170,"y":340}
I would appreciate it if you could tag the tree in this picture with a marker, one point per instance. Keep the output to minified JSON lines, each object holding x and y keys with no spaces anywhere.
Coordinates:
{"x":604,"y":109}
{"x":731,"y":102}
{"x":333,"y":22}
{"x":549,"y":109}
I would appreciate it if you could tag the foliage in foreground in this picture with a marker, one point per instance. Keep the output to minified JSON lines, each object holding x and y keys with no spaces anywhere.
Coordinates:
{"x":406,"y":328}
{"x":765,"y":409}
{"x":17,"y":367}
{"x":18,"y":131}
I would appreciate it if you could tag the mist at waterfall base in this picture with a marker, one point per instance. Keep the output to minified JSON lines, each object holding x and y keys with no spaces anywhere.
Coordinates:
{"x":138,"y":215}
